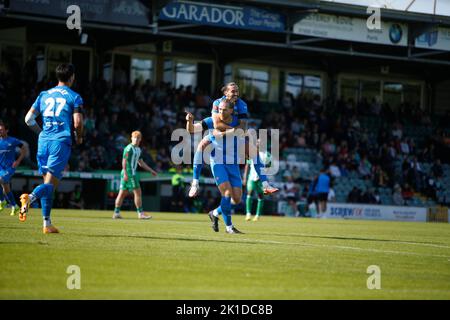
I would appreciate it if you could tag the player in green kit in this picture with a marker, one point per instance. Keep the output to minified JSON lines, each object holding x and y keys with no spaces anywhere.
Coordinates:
{"x":254,"y":184}
{"x":129,"y":182}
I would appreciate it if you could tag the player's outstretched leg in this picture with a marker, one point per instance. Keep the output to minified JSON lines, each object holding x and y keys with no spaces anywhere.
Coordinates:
{"x":267,"y":188}
{"x":37,"y":194}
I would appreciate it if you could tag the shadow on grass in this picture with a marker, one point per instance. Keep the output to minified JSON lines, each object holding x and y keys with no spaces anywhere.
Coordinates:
{"x":345,"y":238}
{"x":18,"y":226}
{"x":126,"y":218}
{"x":172,"y":238}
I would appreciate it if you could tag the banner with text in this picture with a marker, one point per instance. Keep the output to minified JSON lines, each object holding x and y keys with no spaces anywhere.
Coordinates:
{"x":223,"y":16}
{"x":438,"y":38}
{"x":117,"y":12}
{"x":351,"y":29}
{"x":375,"y":212}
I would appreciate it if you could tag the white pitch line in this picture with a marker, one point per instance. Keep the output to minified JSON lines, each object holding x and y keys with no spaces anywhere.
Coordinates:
{"x":313,"y":245}
{"x":368,"y":239}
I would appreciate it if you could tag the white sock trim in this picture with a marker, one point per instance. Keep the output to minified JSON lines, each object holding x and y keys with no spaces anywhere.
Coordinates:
{"x":32,"y":198}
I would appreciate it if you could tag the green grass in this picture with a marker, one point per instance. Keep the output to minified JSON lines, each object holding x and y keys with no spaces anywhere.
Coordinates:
{"x":178,"y":256}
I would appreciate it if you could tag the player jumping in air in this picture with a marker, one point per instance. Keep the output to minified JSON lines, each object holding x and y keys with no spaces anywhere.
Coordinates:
{"x":231,"y":94}
{"x":8,"y":165}
{"x":59,"y":107}
{"x":129,"y":182}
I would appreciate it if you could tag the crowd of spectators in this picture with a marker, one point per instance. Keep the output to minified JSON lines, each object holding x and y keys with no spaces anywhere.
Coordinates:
{"x":347,"y":148}
{"x":332,"y":128}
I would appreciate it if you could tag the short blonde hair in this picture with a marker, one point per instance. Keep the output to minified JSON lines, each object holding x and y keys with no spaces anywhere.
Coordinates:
{"x":136,"y":134}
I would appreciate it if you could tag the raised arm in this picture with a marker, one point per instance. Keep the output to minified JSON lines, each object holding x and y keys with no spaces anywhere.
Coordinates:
{"x":192,"y":127}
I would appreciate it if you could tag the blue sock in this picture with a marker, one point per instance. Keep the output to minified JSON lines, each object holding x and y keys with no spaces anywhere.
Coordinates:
{"x":198,"y":164}
{"x":42,"y":190}
{"x":10,"y":198}
{"x":2,"y":197}
{"x":258,"y":166}
{"x":46,"y":203}
{"x":225,"y":206}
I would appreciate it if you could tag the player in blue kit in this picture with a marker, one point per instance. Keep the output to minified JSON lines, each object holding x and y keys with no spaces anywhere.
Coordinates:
{"x":231,"y":93}
{"x":225,"y":168}
{"x":60,"y":107}
{"x":8,"y":165}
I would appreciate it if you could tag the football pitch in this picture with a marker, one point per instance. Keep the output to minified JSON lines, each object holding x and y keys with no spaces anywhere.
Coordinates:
{"x":178,"y":256}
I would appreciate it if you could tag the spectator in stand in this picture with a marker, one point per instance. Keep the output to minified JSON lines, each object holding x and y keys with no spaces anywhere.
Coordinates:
{"x":354,"y":195}
{"x":397,"y":197}
{"x":377,"y":196}
{"x":331,"y":195}
{"x":407,"y":193}
{"x":437,"y":169}
{"x":75,"y":199}
{"x":334,"y":170}
{"x":365,"y":168}
{"x":290,"y":189}
{"x":380,"y":178}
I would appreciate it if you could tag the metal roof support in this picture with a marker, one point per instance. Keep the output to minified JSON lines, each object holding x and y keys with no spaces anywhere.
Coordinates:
{"x":424,"y":54}
{"x":303,"y":47}
{"x":178,"y":26}
{"x":309,"y":40}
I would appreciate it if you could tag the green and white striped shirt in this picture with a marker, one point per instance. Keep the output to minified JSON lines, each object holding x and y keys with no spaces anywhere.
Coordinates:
{"x":132,"y":154}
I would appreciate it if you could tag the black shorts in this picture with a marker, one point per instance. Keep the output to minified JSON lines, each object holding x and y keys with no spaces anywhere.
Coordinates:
{"x":311,"y":199}
{"x":322,"y":196}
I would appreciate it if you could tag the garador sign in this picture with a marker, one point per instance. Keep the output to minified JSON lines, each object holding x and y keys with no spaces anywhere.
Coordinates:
{"x":223,"y":16}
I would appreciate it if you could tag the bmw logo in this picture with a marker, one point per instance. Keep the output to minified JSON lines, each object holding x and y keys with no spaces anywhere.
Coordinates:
{"x":395,"y":33}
